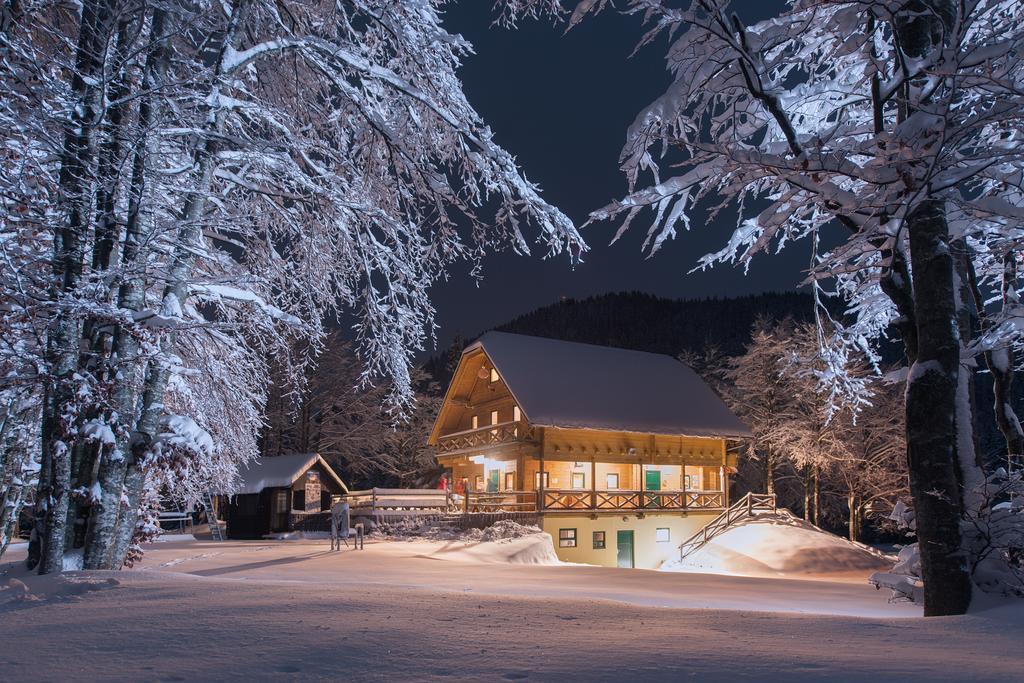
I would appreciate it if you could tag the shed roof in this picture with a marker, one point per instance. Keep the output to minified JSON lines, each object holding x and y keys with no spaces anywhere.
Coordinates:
{"x":282,"y":470}
{"x":572,"y":385}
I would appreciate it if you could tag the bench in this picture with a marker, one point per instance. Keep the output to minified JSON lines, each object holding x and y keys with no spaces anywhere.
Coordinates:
{"x":178,"y":516}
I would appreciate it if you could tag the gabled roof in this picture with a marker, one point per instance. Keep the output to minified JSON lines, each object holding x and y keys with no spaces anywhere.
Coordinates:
{"x":282,"y":470}
{"x":571,"y":385}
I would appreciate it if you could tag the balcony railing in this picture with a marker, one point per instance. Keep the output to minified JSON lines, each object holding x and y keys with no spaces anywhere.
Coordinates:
{"x":491,"y":435}
{"x":577,"y":499}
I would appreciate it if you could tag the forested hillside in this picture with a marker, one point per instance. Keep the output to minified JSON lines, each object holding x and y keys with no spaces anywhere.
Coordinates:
{"x":644,"y":322}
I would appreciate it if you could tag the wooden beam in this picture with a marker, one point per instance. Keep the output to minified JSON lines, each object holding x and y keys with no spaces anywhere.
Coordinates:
{"x":593,"y":483}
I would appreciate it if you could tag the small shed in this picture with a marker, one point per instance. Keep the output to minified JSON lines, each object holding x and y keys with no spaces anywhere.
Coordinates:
{"x":277,"y":493}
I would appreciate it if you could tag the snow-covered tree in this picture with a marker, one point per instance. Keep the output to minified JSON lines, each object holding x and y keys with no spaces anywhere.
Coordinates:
{"x":847,"y":462}
{"x":215,"y":182}
{"x":895,"y":126}
{"x":345,"y":421}
{"x":756,"y":388}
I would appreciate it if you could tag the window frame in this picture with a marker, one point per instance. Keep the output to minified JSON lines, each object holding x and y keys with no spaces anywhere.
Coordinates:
{"x":602,"y":543}
{"x":494,"y":376}
{"x":536,"y":479}
{"x":668,"y":534}
{"x":567,"y":540}
{"x":582,"y":479}
{"x":494,"y":417}
{"x":475,"y":422}
{"x":608,"y":481}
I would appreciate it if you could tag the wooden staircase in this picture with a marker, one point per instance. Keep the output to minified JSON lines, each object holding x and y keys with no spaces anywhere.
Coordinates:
{"x":743,"y":508}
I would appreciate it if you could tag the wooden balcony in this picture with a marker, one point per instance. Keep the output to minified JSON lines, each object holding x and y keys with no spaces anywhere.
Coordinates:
{"x":556,"y":500}
{"x":579,"y":500}
{"x":484,"y":437}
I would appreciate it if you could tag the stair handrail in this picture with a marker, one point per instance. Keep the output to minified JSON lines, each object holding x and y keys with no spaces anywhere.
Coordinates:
{"x":744,"y":507}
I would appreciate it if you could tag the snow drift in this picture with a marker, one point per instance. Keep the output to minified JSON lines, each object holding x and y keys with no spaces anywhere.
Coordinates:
{"x":532,"y":549}
{"x":779,"y":545}
{"x":504,"y":542}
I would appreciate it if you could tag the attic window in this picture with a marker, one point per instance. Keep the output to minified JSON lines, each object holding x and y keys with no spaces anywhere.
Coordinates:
{"x":516,"y":414}
{"x":476,"y":421}
{"x":494,"y":375}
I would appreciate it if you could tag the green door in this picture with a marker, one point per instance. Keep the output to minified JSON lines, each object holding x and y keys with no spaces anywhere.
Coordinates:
{"x":493,"y":477}
{"x":652,"y":480}
{"x":624,"y":540}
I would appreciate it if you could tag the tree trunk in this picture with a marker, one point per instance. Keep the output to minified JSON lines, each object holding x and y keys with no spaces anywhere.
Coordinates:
{"x":96,"y":356}
{"x":1001,"y":361}
{"x":100,"y":540}
{"x":968,"y":465}
{"x":931,"y":414}
{"x":63,"y":339}
{"x":117,"y":536}
{"x":769,"y":472}
{"x":807,"y":494}
{"x":817,"y":495}
{"x":851,"y":503}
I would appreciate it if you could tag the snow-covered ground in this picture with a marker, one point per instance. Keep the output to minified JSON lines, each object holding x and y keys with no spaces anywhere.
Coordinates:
{"x":452,"y":610}
{"x":779,"y":544}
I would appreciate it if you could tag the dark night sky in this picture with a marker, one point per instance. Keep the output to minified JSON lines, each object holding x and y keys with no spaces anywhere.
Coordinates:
{"x":561,"y":104}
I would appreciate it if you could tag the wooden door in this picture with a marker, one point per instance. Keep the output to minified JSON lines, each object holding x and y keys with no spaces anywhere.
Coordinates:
{"x":624,"y":548}
{"x":279,"y":510}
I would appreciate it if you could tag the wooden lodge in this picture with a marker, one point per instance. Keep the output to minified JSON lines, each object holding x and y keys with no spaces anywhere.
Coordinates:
{"x":622,"y":454}
{"x":277,"y":493}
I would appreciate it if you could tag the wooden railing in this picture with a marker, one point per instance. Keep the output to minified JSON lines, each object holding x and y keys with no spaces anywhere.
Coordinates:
{"x":491,"y":435}
{"x":742,"y":508}
{"x":577,"y":499}
{"x":399,"y":499}
{"x":500,"y":501}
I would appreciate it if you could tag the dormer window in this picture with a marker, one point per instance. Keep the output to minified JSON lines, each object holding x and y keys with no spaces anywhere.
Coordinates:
{"x":494,"y":375}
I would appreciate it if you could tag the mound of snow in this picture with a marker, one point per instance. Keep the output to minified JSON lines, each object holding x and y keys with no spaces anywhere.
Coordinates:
{"x":534,"y":548}
{"x":504,"y":542}
{"x":779,"y":545}
{"x":506,"y":529}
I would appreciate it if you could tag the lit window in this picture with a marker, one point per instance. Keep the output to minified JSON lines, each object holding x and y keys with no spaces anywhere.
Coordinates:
{"x":494,"y":417}
{"x":613,"y":480}
{"x":479,"y":482}
{"x":476,"y":421}
{"x":516,"y":415}
{"x":566,"y":538}
{"x":536,"y":480}
{"x":494,"y":375}
{"x":598,"y":540}
{"x":579,"y":480}
{"x":662,"y":535}
{"x":510,"y":481}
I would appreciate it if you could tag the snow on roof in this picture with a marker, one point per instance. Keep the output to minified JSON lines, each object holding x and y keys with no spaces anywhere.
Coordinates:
{"x":572,"y":385}
{"x":282,"y":470}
